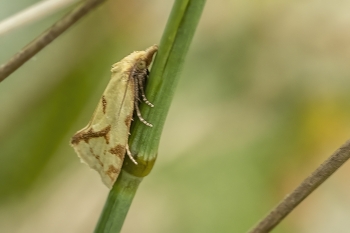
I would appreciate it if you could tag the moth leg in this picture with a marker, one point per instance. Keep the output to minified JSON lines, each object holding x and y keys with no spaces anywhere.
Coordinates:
{"x":137,"y":109}
{"x":129,"y":153}
{"x":137,"y":100}
{"x":142,"y":83}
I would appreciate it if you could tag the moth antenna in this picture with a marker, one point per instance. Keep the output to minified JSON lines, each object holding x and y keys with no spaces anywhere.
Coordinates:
{"x":129,"y":154}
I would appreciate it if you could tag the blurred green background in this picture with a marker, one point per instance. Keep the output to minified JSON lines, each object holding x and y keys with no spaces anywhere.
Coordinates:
{"x":263,"y":100}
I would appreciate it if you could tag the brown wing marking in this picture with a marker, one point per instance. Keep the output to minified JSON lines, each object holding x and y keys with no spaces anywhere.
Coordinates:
{"x":118,"y":150}
{"x":112,"y":172}
{"x":104,"y":104}
{"x":86,"y":136}
{"x":128,"y":121}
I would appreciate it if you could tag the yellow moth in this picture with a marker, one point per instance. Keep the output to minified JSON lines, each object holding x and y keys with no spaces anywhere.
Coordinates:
{"x":102,"y":144}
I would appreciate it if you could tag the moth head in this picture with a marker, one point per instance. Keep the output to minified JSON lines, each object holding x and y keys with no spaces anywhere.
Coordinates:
{"x":139,"y":60}
{"x":141,"y":65}
{"x":148,"y":55}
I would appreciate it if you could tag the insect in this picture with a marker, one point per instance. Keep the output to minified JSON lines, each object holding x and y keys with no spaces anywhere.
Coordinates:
{"x":102,"y":144}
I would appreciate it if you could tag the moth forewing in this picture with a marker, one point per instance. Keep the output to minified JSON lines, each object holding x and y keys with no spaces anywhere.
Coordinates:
{"x":102,"y":144}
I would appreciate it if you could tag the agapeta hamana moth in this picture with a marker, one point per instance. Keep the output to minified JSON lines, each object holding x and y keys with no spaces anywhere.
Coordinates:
{"x":103,"y":143}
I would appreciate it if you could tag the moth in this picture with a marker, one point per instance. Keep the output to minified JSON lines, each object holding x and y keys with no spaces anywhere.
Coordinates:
{"x":103,"y":143}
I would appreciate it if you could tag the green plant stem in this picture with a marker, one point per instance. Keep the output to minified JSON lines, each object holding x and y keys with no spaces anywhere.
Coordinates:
{"x":119,"y":198}
{"x":181,"y":26}
{"x":144,"y":140}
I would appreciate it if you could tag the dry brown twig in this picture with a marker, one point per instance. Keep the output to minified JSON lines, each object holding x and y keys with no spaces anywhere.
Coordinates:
{"x":47,"y":37}
{"x":33,"y":13}
{"x":320,"y":175}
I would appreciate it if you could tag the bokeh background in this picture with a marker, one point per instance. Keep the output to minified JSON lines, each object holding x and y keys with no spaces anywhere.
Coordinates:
{"x":263,"y":100}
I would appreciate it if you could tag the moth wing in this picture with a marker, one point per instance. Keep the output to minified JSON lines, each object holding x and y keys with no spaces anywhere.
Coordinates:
{"x":102,"y":143}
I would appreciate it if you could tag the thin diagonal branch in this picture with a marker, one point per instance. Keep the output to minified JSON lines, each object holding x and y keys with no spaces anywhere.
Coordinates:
{"x":325,"y":170}
{"x":46,"y":37}
{"x":35,"y":12}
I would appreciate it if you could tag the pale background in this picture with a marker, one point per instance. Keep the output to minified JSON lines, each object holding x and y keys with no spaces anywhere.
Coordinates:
{"x":263,"y":100}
